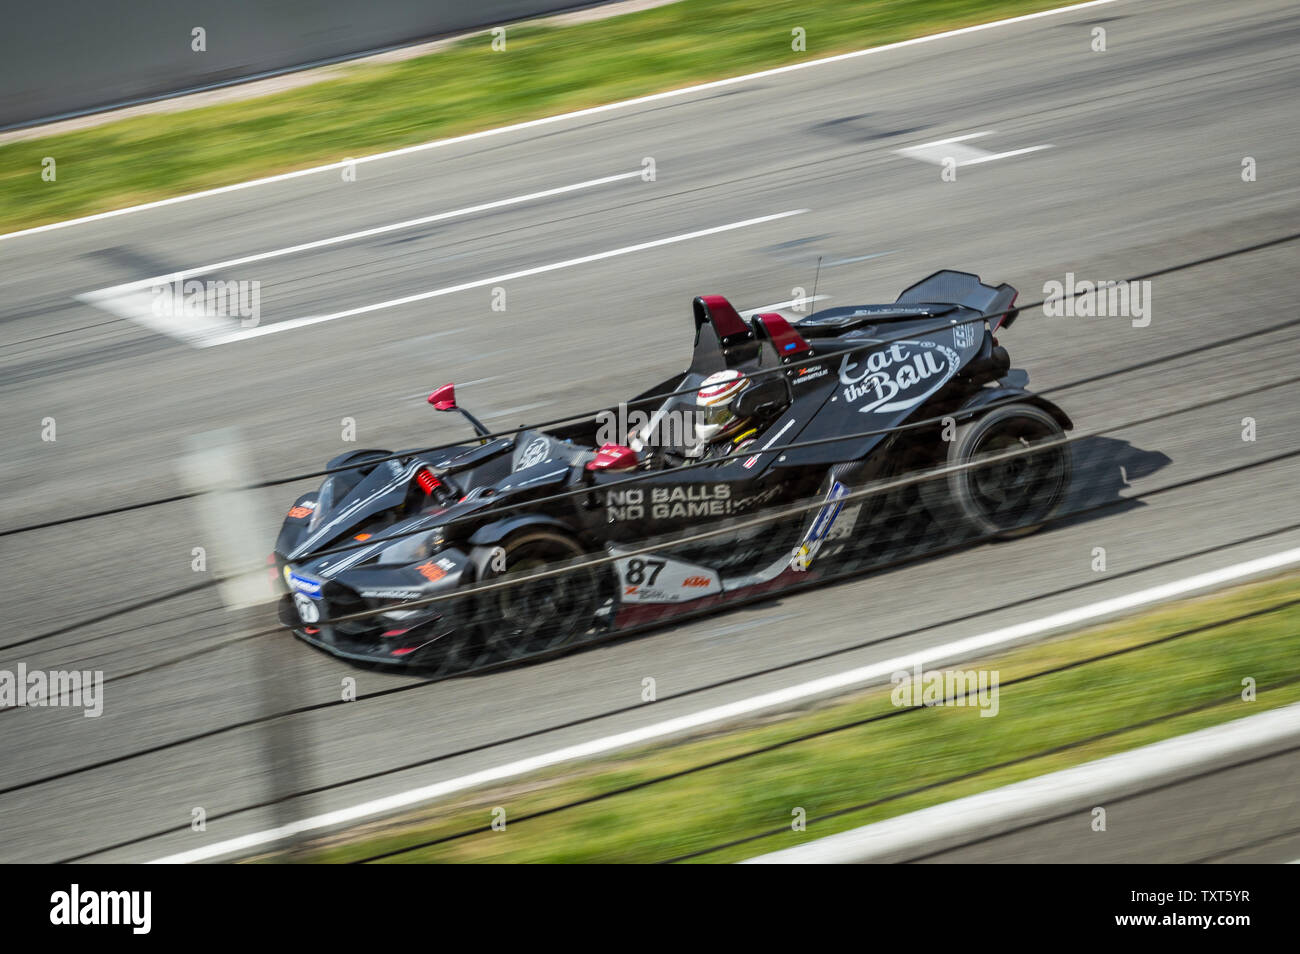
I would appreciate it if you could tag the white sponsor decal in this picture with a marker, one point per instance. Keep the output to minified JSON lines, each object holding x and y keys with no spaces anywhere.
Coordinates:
{"x":666,"y":503}
{"x":843,"y":526}
{"x":808,"y":375}
{"x":963,"y":335}
{"x":898,"y":377}
{"x":534,"y":453}
{"x":656,"y":579}
{"x":307,"y":610}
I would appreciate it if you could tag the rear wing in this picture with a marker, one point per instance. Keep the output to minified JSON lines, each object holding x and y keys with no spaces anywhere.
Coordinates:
{"x":722,"y":338}
{"x":950,"y":287}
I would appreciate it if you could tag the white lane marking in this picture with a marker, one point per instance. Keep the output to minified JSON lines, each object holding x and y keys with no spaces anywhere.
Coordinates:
{"x":164,"y":312}
{"x":944,"y":142}
{"x":368,"y":233}
{"x":1005,"y":155}
{"x":460,"y":385}
{"x":293,"y":323}
{"x":140,"y":300}
{"x":941,"y":155}
{"x":776,"y":305}
{"x":987,"y":812}
{"x":517,"y":409}
{"x":872,"y":672}
{"x":941,"y":151}
{"x":560,"y":117}
{"x":858,"y":258}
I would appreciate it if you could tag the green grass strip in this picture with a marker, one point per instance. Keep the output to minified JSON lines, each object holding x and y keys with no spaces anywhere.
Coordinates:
{"x":544,"y":70}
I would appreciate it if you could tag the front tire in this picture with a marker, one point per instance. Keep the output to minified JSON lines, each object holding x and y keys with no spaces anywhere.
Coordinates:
{"x":1011,"y":497}
{"x":535,"y":616}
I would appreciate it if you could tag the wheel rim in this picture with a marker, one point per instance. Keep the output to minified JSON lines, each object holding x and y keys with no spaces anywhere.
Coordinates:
{"x":528,"y":618}
{"x":1018,"y":491}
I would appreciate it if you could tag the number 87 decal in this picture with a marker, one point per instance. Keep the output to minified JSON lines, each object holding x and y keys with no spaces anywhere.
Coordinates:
{"x":635,"y":572}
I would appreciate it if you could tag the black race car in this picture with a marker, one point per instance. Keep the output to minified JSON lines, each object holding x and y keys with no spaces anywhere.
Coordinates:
{"x":455,"y":558}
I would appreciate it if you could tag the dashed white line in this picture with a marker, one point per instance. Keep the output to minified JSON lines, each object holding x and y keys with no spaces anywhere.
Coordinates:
{"x":954,"y":149}
{"x":371,"y":232}
{"x":136,"y":300}
{"x":293,"y":323}
{"x":950,"y":139}
{"x":857,"y":258}
{"x":1004,"y":155}
{"x":777,"y":305}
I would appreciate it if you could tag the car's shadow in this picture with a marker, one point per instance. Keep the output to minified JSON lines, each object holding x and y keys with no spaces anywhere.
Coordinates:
{"x":903,"y":529}
{"x":1104,"y":471}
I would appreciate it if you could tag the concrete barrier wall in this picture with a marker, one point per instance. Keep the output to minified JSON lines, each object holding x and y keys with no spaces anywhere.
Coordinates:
{"x":70,"y":56}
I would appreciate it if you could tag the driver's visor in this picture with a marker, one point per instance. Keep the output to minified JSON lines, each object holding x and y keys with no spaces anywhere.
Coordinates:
{"x":716,"y":416}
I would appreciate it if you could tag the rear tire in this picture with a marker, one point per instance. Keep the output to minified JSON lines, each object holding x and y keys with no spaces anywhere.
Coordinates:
{"x":1007,"y":498}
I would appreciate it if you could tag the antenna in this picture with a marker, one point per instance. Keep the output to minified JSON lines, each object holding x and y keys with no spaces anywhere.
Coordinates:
{"x":816,"y":279}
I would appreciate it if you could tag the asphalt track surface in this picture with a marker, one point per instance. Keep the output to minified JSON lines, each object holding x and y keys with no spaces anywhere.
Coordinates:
{"x":1144,"y":171}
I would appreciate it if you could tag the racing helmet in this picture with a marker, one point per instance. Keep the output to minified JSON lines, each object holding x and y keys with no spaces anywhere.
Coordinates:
{"x":714,"y":403}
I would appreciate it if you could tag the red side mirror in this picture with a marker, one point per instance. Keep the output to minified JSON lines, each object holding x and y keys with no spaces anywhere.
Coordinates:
{"x":613,"y":457}
{"x":444,"y":399}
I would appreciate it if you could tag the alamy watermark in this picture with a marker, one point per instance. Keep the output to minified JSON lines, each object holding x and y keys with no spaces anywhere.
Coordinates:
{"x":70,"y":688}
{"x":977,"y":688}
{"x":667,"y":427}
{"x":133,"y":909}
{"x":1101,"y":299}
{"x":191,"y":298}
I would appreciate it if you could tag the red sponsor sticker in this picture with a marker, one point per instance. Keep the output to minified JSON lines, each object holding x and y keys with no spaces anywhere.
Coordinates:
{"x":297,"y":513}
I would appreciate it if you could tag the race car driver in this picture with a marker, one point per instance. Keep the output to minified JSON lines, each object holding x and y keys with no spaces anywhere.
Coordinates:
{"x":718,"y":429}
{"x":715,"y":429}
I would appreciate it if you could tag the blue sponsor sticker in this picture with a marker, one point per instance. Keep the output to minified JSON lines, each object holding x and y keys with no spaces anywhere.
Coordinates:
{"x":802,"y":557}
{"x":304,"y":585}
{"x":826,"y":516}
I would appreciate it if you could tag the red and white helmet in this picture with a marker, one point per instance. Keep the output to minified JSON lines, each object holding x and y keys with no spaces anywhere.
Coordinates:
{"x":714,"y":403}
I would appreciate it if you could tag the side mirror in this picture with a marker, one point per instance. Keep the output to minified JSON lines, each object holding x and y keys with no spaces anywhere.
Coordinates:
{"x":764,"y":398}
{"x":444,"y":398}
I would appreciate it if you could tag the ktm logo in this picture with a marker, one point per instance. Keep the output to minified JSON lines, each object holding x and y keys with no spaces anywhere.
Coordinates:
{"x":431,"y":572}
{"x":696,"y":581}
